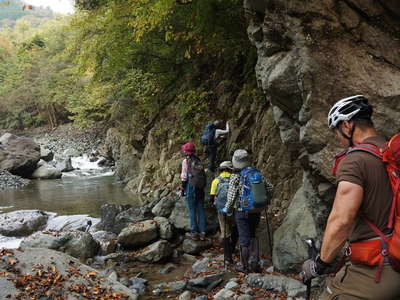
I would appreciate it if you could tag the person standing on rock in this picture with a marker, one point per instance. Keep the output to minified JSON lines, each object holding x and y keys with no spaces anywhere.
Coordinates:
{"x":194,"y":180}
{"x":218,"y":196}
{"x":361,"y":212}
{"x":249,"y":193}
{"x":212,"y":136}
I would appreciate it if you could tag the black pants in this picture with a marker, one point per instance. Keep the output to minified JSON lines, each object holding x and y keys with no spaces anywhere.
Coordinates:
{"x":211,"y":151}
{"x":247,"y":224}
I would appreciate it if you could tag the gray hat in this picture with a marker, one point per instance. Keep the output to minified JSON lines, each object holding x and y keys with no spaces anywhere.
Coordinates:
{"x":226,"y":165}
{"x":240,"y":159}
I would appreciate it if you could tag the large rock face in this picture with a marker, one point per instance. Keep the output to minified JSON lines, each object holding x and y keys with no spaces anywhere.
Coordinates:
{"x":311,"y":54}
{"x":138,"y":234}
{"x":18,"y":155}
{"x":22,"y":222}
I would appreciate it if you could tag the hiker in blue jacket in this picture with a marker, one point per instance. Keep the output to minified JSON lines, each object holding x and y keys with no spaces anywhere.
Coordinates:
{"x":212,"y":137}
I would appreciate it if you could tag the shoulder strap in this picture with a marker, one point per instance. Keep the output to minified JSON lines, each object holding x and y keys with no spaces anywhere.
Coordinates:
{"x":368,"y":148}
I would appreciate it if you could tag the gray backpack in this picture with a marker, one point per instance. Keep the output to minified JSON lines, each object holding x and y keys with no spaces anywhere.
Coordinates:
{"x":222,"y":192}
{"x":197,"y":175}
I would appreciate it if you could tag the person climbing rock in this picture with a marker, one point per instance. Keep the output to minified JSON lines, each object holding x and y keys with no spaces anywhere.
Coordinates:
{"x":193,"y":183}
{"x":359,"y":222}
{"x":212,"y":136}
{"x":218,"y":196}
{"x":249,"y":193}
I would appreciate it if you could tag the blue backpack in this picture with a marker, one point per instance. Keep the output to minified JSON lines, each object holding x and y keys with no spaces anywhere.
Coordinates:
{"x":207,"y":139}
{"x":222,"y":192}
{"x":255,"y":195}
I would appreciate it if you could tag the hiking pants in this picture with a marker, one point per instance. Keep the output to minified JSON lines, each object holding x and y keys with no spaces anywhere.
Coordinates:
{"x":195,"y":203}
{"x":227,"y":223}
{"x":355,"y":282}
{"x":247,"y":224}
{"x":212,"y":157}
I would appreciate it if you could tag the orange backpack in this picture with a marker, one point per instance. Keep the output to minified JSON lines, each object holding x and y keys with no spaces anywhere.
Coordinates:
{"x":384,"y":248}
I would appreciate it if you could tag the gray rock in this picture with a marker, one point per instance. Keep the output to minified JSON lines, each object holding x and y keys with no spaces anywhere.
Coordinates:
{"x":156,"y":252}
{"x":65,"y":166}
{"x":75,"y":243}
{"x":201,"y":265}
{"x":19,"y":155}
{"x":165,"y":227}
{"x":72,"y":153}
{"x":290,"y":286}
{"x":195,"y":247}
{"x":186,"y":295}
{"x":180,"y":215}
{"x":46,"y":171}
{"x":30,"y":260}
{"x":138,"y":285}
{"x":224,"y":294}
{"x":245,"y":297}
{"x":167,"y":269}
{"x":22,"y":222}
{"x":205,"y":284}
{"x":203,"y":297}
{"x":138,"y":234}
{"x":164,"y":207}
{"x":10,"y":181}
{"x":106,"y":240}
{"x":174,"y":287}
{"x":231,"y":285}
{"x":46,"y":154}
{"x":113,"y":276}
{"x":70,"y":222}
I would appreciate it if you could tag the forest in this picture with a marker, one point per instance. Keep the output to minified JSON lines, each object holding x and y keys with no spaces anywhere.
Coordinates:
{"x":122,"y":62}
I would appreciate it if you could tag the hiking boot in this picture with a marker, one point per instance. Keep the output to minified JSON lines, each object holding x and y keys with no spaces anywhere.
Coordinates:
{"x":192,"y":235}
{"x":202,"y":236}
{"x":243,"y":266}
{"x":254,"y":259}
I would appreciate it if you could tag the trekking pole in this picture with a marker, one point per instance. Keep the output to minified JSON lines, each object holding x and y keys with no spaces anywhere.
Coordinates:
{"x":312,"y":253}
{"x":268,"y":231}
{"x":224,"y":242}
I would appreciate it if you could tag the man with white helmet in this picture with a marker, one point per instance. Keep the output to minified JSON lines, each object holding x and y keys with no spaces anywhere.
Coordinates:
{"x":363,"y":196}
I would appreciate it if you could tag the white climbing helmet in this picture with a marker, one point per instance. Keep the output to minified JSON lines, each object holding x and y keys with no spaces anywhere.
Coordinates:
{"x":345,"y":109}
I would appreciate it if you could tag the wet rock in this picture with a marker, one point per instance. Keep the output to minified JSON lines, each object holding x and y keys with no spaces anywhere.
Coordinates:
{"x":156,"y":252}
{"x":168,"y":269}
{"x":186,"y":295}
{"x":19,"y":155}
{"x":138,"y":285}
{"x":204,"y":284}
{"x":164,"y":207}
{"x":165,"y":227}
{"x":106,"y":240}
{"x":75,"y":243}
{"x":46,"y":171}
{"x":30,"y":260}
{"x":174,"y":287}
{"x":22,"y":222}
{"x":65,"y":166}
{"x":195,"y":247}
{"x":46,"y":154}
{"x":138,"y":234}
{"x":180,"y":215}
{"x":201,"y":265}
{"x":290,"y":286}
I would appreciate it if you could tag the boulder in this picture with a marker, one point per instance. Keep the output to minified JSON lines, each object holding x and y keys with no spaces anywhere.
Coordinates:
{"x":46,"y":171}
{"x":106,"y":240}
{"x":138,"y":285}
{"x":276,"y":283}
{"x":55,"y":267}
{"x":156,"y":252}
{"x":165,"y":227}
{"x":22,"y":222}
{"x":201,"y":265}
{"x":71,"y":222}
{"x":46,"y":154}
{"x":164,"y":207}
{"x":205,"y":283}
{"x":195,"y":247}
{"x":19,"y":155}
{"x":65,"y":166}
{"x":75,"y":243}
{"x":174,"y":287}
{"x":180,"y":215}
{"x":138,"y":234}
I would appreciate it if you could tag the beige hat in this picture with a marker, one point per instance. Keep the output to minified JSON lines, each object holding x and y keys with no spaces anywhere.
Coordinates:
{"x":240,"y":159}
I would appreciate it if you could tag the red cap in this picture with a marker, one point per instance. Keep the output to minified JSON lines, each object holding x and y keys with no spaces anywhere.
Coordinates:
{"x":188,"y":148}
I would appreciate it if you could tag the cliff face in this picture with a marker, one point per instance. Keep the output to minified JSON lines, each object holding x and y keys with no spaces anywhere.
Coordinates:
{"x":310,"y":54}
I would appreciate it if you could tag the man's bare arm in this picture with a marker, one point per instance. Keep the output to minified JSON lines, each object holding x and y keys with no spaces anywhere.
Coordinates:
{"x":345,"y":208}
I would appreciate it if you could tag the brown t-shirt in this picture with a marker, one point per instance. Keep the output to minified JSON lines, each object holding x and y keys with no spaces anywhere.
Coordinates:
{"x":368,"y":172}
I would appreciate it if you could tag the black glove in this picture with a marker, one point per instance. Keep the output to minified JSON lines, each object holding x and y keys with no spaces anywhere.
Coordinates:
{"x":314,"y":268}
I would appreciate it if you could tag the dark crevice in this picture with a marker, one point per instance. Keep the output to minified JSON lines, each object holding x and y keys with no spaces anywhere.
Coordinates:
{"x":381,"y":58}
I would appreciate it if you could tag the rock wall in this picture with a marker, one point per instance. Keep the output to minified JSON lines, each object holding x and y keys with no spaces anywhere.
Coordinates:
{"x":310,"y":54}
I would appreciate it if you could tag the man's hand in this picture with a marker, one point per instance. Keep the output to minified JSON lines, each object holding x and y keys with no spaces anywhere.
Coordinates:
{"x":314,"y":268}
{"x":226,"y":211}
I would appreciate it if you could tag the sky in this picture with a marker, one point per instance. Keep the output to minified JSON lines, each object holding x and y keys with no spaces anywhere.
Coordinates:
{"x":59,"y":6}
